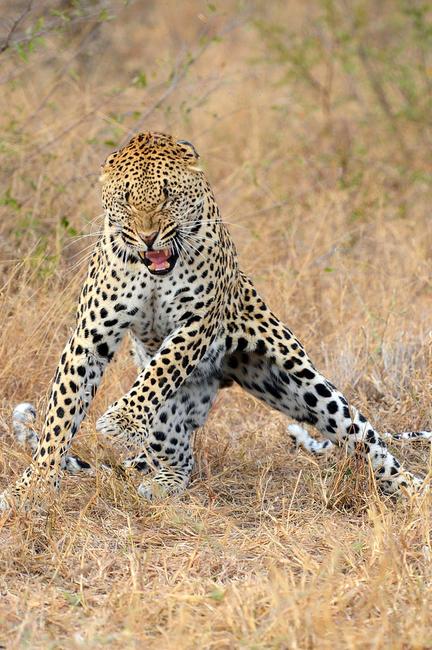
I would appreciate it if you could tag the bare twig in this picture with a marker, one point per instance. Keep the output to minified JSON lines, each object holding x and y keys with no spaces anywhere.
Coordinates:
{"x":49,"y":27}
{"x":8,"y":40}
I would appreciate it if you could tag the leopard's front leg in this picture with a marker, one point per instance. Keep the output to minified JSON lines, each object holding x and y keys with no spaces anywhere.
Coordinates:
{"x":89,"y":349}
{"x":128,"y":420}
{"x":75,"y":384}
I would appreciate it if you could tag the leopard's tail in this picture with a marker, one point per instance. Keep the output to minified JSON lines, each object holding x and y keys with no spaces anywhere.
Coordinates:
{"x":302,"y":438}
{"x":23,"y":418}
{"x":408,"y":435}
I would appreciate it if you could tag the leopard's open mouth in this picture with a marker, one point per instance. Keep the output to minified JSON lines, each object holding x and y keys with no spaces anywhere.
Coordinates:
{"x":159,"y":262}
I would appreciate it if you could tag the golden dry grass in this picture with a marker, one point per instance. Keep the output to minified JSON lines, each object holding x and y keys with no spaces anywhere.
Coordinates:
{"x":312,"y":120}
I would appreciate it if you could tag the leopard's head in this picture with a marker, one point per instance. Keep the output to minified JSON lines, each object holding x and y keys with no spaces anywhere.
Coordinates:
{"x":154,"y":195}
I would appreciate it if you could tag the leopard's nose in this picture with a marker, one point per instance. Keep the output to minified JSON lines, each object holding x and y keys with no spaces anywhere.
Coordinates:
{"x":149,"y":239}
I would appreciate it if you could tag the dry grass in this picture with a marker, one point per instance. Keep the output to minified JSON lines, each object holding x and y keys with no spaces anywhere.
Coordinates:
{"x":312,"y":120}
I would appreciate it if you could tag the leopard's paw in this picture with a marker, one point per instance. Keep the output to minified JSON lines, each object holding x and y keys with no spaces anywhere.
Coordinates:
{"x":165,"y":483}
{"x":404,"y":483}
{"x":118,"y":424}
{"x":153,"y":490}
{"x":145,"y":490}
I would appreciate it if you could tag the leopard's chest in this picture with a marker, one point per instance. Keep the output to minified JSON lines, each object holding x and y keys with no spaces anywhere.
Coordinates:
{"x":166,"y":308}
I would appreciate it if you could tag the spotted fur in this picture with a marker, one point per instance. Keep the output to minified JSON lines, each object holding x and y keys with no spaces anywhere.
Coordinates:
{"x":166,"y":270}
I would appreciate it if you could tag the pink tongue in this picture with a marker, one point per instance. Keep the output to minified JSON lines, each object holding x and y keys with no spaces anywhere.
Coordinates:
{"x":159,"y":260}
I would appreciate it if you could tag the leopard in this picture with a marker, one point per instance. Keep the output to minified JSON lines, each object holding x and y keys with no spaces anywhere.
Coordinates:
{"x":165,"y":272}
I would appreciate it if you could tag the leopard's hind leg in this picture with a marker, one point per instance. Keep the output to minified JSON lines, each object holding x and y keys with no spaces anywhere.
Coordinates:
{"x":167,"y":457}
{"x":272,"y":364}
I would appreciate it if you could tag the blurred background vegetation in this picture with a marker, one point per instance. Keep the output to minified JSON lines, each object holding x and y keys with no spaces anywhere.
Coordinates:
{"x":312,"y":119}
{"x":313,"y":122}
{"x":281,"y":98}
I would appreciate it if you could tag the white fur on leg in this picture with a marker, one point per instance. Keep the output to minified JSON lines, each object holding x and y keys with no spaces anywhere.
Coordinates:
{"x":302,"y":438}
{"x":23,"y":417}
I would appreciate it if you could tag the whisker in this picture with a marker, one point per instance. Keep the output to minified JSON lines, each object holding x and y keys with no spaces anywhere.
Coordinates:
{"x":185,"y":252}
{"x":90,"y":247}
{"x":220,"y":221}
{"x":77,"y":239}
{"x":198,"y":242}
{"x":177,"y":249}
{"x":198,"y":239}
{"x":98,"y":216}
{"x":188,"y":243}
{"x":80,"y":262}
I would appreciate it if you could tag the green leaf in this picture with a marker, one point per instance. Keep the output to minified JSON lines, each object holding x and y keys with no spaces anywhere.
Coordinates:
{"x":72,"y":598}
{"x":8,"y":200}
{"x":38,"y":26}
{"x":21,"y":51}
{"x":217,"y":594}
{"x":70,"y":230}
{"x":140,"y":80}
{"x":105,"y":16}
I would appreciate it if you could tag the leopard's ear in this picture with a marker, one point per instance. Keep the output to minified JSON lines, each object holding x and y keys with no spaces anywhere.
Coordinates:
{"x":190,"y":154}
{"x":103,"y":175}
{"x":107,"y":166}
{"x":188,"y":150}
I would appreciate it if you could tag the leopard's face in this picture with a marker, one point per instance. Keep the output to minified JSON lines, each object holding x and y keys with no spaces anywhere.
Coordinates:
{"x":154,"y":196}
